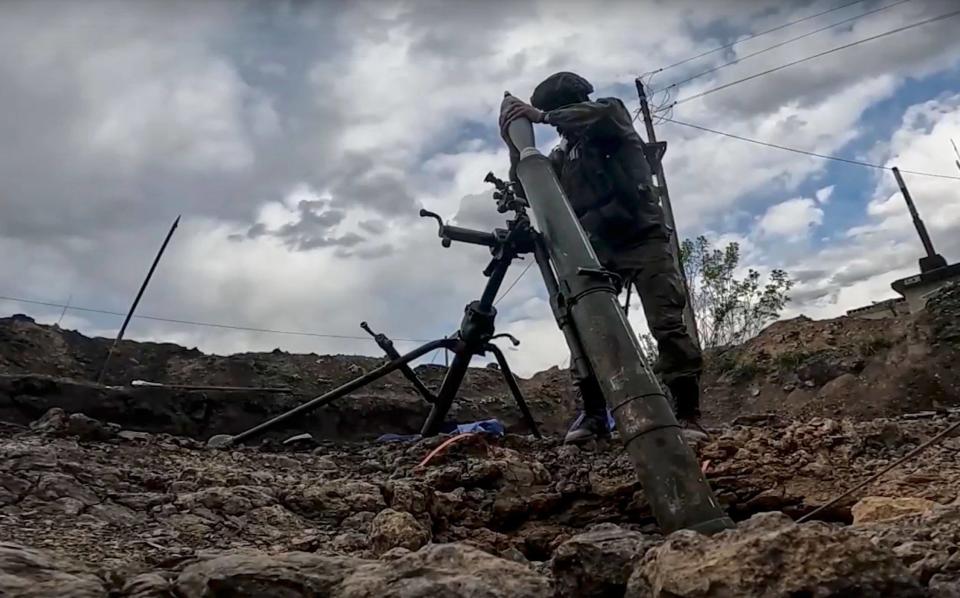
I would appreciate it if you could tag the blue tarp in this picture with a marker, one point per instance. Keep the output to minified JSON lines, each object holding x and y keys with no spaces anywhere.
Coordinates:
{"x":492,"y":427}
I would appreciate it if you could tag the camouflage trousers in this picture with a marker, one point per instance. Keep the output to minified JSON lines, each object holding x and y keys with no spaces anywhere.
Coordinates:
{"x":650,"y":268}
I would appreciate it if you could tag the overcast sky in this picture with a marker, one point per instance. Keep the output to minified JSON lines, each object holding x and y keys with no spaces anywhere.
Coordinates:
{"x":299,"y":139}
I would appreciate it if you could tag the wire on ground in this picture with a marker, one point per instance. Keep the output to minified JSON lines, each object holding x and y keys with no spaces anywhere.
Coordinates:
{"x":877,"y":475}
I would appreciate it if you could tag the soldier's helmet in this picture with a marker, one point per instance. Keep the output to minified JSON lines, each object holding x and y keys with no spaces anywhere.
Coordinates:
{"x":560,"y":89}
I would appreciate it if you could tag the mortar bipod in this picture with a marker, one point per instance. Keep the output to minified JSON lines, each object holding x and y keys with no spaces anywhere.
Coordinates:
{"x":474,"y":337}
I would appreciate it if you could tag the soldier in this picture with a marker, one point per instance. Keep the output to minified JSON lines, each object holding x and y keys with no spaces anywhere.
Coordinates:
{"x":601,"y":165}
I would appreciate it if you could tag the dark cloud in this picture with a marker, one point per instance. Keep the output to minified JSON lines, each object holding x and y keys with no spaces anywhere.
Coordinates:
{"x":812,"y":82}
{"x":362,"y":185}
{"x":308,"y":243}
{"x":374,"y":227}
{"x":479,"y":211}
{"x":859,"y":269}
{"x":313,"y":228}
{"x":368,"y":253}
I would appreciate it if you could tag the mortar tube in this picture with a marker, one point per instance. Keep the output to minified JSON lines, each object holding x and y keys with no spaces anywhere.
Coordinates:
{"x":676,"y":489}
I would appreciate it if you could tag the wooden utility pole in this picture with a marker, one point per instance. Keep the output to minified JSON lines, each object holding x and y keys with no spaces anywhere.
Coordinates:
{"x":690,"y":318}
{"x":136,"y":300}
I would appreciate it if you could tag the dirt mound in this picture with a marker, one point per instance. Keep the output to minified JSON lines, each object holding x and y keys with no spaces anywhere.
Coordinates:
{"x":800,"y":368}
{"x":44,"y":367}
{"x":844,"y":367}
{"x":109,"y":508}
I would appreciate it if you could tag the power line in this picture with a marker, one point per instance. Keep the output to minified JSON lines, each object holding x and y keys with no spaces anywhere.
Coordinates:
{"x":756,"y":35}
{"x":783,"y":43}
{"x":808,"y":153}
{"x":818,"y":55}
{"x":205,"y":324}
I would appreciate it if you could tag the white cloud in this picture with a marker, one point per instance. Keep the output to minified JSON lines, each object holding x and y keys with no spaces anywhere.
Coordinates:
{"x":791,"y":220}
{"x":823,"y":195}
{"x":859,"y":268}
{"x":125,"y":115}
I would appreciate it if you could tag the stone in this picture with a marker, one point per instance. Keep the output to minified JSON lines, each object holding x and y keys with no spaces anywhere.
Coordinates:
{"x":56,"y":422}
{"x":395,"y":553}
{"x":598,"y":562}
{"x":408,"y":496}
{"x":945,"y":585}
{"x":87,"y":428}
{"x":325,"y":463}
{"x":115,"y":514}
{"x":881,"y":508}
{"x":133,"y":436}
{"x":769,"y":556}
{"x":229,"y":500}
{"x":52,"y":486}
{"x":147,"y":585}
{"x":397,"y":529}
{"x":445,"y":571}
{"x":925,"y":542}
{"x":285,"y":575}
{"x":335,"y":500}
{"x":220,"y":441}
{"x":35,"y":574}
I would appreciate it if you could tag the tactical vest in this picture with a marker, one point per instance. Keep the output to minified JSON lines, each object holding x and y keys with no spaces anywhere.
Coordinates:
{"x":609,"y":186}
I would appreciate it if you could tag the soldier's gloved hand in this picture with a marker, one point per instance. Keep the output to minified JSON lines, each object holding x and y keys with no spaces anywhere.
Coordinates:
{"x":513,"y":108}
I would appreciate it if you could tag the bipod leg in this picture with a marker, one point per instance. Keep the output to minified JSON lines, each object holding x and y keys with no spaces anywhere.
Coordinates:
{"x":340,"y":391}
{"x":511,"y":381}
{"x":387,"y":345}
{"x":448,"y":391}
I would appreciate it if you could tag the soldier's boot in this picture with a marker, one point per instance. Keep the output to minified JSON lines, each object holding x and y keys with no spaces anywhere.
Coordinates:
{"x":588,"y":427}
{"x":686,"y":394}
{"x":592,"y":423}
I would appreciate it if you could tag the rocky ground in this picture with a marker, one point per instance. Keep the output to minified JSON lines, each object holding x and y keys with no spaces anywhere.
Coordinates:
{"x":112,"y":490}
{"x":105,"y":510}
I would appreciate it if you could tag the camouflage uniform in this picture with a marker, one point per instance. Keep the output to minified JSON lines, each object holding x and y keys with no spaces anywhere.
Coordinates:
{"x":602,"y":167}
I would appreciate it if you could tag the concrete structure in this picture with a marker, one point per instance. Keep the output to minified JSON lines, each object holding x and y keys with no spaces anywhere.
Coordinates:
{"x":889,"y":308}
{"x":916,"y":289}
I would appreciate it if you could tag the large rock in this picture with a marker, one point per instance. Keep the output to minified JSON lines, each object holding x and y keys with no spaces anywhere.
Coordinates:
{"x":445,"y":571}
{"x":769,"y":556}
{"x":599,"y":562}
{"x":925,"y":542}
{"x":397,"y":529}
{"x":336,"y":500}
{"x":56,"y":422}
{"x":438,"y":571}
{"x":881,"y":508}
{"x":28,"y":573}
{"x":258,"y":575}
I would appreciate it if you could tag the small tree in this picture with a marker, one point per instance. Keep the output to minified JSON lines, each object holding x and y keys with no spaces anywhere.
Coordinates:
{"x":729,"y":310}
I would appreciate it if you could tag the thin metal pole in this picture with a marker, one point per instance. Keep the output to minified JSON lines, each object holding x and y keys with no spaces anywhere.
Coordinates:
{"x":136,"y":300}
{"x":917,"y":222}
{"x":338,"y":392}
{"x":688,"y":314}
